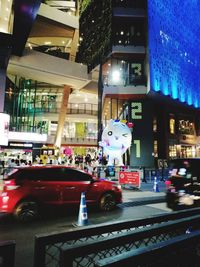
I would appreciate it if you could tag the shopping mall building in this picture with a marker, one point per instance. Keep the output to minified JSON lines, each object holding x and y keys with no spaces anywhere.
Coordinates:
{"x":68,"y":67}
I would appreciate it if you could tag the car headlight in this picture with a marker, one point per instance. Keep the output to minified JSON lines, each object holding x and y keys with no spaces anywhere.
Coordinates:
{"x":118,"y":186}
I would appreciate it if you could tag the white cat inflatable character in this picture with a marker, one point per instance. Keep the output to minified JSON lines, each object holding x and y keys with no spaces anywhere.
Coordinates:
{"x":116,"y":139}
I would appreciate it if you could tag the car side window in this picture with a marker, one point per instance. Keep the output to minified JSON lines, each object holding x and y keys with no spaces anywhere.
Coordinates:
{"x":26,"y":174}
{"x":51,"y":174}
{"x":41,"y":174}
{"x":75,"y":175}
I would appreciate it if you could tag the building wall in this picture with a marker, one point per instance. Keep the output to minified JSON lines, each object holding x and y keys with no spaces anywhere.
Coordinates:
{"x":174,"y":49}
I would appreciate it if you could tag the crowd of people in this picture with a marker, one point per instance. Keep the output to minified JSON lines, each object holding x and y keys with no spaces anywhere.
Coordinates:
{"x":87,"y":162}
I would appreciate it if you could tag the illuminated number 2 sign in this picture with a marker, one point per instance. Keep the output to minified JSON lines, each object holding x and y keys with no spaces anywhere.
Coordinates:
{"x":136,"y":114}
{"x":136,"y":110}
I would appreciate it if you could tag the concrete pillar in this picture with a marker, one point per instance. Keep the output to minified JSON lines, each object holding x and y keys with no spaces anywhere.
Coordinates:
{"x":62,"y":115}
{"x":2,"y":88}
{"x":74,"y":45}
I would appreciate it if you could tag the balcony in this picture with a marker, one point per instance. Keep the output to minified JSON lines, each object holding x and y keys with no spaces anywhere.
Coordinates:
{"x":129,"y":3}
{"x":123,"y":79}
{"x":74,"y":141}
{"x":55,"y":51}
{"x":54,"y":107}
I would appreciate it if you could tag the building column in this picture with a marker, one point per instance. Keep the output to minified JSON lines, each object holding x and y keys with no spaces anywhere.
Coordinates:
{"x":2,"y":88}
{"x":74,"y":45}
{"x":5,"y":50}
{"x":62,"y":115}
{"x":162,"y":132}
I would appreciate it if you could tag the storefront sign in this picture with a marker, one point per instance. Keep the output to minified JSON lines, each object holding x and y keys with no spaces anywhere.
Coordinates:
{"x":130,"y":178}
{"x":4,"y":129}
{"x":20,"y":145}
{"x":188,"y":139}
{"x":27,"y":137}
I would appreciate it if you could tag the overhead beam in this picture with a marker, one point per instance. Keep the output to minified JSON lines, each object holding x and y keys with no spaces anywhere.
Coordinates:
{"x":25,"y":12}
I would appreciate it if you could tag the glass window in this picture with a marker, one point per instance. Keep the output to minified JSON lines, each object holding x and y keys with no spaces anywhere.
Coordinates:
{"x":155,"y":148}
{"x":186,"y":127}
{"x":154,"y":125}
{"x":172,"y":151}
{"x":171,"y":125}
{"x":75,"y":175}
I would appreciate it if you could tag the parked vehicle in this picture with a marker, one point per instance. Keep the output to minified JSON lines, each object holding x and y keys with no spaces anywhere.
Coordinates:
{"x":27,"y":189}
{"x":183,"y":185}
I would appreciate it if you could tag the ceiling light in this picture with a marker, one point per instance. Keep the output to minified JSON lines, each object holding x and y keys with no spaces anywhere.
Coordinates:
{"x":47,"y":43}
{"x":122,"y":33}
{"x":116,"y":76}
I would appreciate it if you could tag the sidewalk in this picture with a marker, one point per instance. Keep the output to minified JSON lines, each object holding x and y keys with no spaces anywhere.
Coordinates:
{"x":144,"y":194}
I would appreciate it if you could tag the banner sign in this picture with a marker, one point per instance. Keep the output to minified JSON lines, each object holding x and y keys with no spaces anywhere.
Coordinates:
{"x":130,"y":178}
{"x":4,"y":128}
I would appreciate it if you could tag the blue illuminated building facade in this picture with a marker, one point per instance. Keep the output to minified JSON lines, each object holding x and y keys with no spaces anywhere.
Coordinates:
{"x":174,"y":49}
{"x":147,"y":52}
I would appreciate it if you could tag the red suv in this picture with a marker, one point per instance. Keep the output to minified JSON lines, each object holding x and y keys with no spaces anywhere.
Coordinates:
{"x":27,"y":189}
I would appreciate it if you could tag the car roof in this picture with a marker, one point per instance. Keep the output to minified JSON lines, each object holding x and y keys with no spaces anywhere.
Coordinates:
{"x":38,"y":167}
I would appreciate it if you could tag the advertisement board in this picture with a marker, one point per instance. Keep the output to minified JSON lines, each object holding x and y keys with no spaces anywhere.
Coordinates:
{"x":4,"y":129}
{"x":130,"y":178}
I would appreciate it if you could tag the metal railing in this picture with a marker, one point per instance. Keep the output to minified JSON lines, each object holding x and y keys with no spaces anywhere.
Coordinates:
{"x":129,"y":3}
{"x":52,"y":51}
{"x":87,"y":253}
{"x":7,"y":253}
{"x":81,"y":108}
{"x":48,"y":247}
{"x":146,"y":174}
{"x":124,"y":80}
{"x":180,"y":251}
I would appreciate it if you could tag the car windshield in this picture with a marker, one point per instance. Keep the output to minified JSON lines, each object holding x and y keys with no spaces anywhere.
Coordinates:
{"x":8,"y":172}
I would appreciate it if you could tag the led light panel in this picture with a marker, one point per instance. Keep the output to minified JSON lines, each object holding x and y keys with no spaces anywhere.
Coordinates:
{"x":174,"y":49}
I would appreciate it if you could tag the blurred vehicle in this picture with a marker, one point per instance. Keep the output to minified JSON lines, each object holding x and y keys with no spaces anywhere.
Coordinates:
{"x":27,"y":189}
{"x":183,"y":184}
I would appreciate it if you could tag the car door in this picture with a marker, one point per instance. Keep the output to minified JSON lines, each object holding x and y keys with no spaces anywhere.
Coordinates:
{"x":74,"y":183}
{"x":45,"y":186}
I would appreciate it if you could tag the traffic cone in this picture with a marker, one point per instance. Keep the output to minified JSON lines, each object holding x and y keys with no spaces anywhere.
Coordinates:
{"x":82,"y":217}
{"x":155,"y":185}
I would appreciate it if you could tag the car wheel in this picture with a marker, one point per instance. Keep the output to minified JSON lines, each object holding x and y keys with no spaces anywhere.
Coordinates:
{"x":107,"y":202}
{"x":26,"y":211}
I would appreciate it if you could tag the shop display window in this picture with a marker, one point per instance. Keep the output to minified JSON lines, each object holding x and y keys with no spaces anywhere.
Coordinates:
{"x":172,"y":151}
{"x":186,"y":127}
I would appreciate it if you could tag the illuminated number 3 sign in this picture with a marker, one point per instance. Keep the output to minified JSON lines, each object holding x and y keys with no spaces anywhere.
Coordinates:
{"x":136,"y":114}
